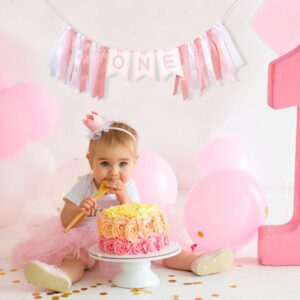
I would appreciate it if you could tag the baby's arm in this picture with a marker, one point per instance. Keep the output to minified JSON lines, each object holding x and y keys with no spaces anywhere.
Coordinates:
{"x":71,"y":210}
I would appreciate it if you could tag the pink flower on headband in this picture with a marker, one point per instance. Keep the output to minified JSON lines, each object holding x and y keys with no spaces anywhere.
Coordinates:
{"x":96,"y":124}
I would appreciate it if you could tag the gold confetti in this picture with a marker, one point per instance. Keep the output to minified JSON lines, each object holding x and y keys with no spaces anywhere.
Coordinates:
{"x":196,"y":282}
{"x":65,"y":295}
{"x":2,"y":273}
{"x":99,"y":283}
{"x":139,"y":291}
{"x":200,"y":234}
{"x":147,"y":292}
{"x":136,"y":293}
{"x":188,"y":283}
{"x":198,"y":298}
{"x":233,"y":286}
{"x":55,"y":298}
{"x":37,"y":297}
{"x":172,"y":280}
{"x":175,"y":297}
{"x":16,"y":281}
{"x":84,"y":289}
{"x":36,"y":294}
{"x":267,"y":211}
{"x":215,"y":295}
{"x":93,"y":286}
{"x":13,"y":270}
{"x":171,"y":275}
{"x":76,"y":291}
{"x":103,"y":293}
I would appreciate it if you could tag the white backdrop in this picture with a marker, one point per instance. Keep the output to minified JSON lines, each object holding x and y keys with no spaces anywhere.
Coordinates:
{"x":174,"y":129}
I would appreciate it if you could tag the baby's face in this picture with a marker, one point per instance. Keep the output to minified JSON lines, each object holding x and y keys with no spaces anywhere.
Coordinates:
{"x":112,"y":161}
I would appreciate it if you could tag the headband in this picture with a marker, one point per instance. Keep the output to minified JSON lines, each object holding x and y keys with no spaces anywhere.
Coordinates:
{"x":97,"y":124}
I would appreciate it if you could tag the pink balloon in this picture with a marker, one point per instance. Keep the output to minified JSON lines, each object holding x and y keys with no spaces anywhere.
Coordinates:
{"x":268,"y":24}
{"x":15,"y":126}
{"x":43,"y":109}
{"x":174,"y":216}
{"x":226,"y":207}
{"x":225,"y":153}
{"x":4,"y":82}
{"x":155,"y":179}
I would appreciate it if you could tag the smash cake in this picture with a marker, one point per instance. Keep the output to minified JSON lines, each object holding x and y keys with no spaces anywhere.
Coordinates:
{"x":132,"y":228}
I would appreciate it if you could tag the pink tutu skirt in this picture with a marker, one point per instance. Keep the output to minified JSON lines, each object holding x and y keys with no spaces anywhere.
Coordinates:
{"x":51,"y":245}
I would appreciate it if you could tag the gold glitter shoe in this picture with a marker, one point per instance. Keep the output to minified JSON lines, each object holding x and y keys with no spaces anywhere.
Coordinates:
{"x":213,"y":262}
{"x":47,"y":276}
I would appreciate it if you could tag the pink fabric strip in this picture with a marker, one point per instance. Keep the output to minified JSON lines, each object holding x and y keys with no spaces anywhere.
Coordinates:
{"x":84,"y":66}
{"x":223,"y":54}
{"x":184,"y":80}
{"x":64,"y":52}
{"x":214,"y":54}
{"x":176,"y":84}
{"x":99,"y":87}
{"x":202,"y":69}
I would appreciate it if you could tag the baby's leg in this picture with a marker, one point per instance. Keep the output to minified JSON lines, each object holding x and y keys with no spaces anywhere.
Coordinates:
{"x":205,"y":264}
{"x":181,"y":261}
{"x":74,"y":268}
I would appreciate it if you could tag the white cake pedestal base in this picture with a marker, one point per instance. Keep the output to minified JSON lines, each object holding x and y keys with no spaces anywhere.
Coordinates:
{"x":135,"y":269}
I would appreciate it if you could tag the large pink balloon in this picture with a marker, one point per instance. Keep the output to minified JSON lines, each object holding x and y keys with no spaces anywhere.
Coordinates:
{"x":4,"y":82}
{"x":277,"y":23}
{"x":15,"y":126}
{"x":43,"y":109}
{"x":155,"y":179}
{"x":225,"y":153}
{"x":225,"y":208}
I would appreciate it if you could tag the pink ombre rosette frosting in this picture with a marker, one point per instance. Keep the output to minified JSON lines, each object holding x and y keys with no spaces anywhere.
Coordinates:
{"x":139,"y":246}
{"x":132,"y":228}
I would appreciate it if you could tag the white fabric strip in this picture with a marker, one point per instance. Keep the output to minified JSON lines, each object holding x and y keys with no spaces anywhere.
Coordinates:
{"x":54,"y":60}
{"x":236,"y":57}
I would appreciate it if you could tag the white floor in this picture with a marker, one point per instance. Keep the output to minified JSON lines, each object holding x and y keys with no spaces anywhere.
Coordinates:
{"x":247,"y":279}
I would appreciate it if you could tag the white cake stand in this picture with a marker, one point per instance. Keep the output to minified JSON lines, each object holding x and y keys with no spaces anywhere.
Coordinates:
{"x":135,"y":269}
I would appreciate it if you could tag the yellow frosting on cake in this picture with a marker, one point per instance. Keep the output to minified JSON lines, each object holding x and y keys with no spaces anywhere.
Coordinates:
{"x":131,"y":210}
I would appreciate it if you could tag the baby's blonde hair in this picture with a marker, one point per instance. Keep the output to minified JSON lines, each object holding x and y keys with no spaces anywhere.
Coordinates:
{"x":115,"y":138}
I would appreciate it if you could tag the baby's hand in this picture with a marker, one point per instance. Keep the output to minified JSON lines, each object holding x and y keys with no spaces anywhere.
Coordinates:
{"x":117,"y":187}
{"x":88,"y":206}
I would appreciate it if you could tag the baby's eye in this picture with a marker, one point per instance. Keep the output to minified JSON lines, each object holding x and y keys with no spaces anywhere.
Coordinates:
{"x":104,"y":164}
{"x":123,"y":164}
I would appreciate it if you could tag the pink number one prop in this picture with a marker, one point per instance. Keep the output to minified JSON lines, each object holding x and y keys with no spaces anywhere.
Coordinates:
{"x":280,"y":244}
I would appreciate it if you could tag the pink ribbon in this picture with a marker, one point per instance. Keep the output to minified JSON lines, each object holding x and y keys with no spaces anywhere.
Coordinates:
{"x":99,"y":86}
{"x":84,"y":66}
{"x":202,"y":69}
{"x":214,"y":53}
{"x":185,"y":78}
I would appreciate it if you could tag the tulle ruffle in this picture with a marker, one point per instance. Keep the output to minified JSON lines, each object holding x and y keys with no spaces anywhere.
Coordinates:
{"x":51,"y":245}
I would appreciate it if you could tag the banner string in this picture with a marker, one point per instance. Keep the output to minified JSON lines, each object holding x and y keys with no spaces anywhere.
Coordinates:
{"x":64,"y":19}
